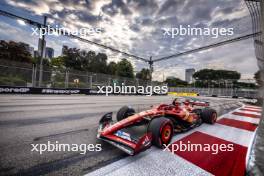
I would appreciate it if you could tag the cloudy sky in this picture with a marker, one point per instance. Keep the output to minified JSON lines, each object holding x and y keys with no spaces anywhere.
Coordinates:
{"x":137,"y":27}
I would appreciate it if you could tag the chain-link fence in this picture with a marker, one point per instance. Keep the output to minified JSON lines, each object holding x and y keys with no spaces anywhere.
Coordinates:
{"x":23,"y":74}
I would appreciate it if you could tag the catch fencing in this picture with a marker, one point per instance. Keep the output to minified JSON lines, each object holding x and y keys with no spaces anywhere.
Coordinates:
{"x":27,"y":75}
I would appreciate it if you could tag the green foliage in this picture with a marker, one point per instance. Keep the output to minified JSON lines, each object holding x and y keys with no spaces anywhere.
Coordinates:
{"x":58,"y":62}
{"x":99,"y":63}
{"x":244,"y":85}
{"x":112,"y":67}
{"x":70,"y":85}
{"x":45,"y":62}
{"x":221,"y":79}
{"x":72,"y":59}
{"x":143,"y":74}
{"x":14,"y":51}
{"x":175,"y":82}
{"x":12,"y":81}
{"x":210,"y":74}
{"x":125,"y":69}
{"x":76,"y":59}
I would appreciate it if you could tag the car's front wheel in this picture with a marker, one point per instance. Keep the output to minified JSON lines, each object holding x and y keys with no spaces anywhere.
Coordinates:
{"x":209,"y":115}
{"x":162,"y":131}
{"x":124,"y":112}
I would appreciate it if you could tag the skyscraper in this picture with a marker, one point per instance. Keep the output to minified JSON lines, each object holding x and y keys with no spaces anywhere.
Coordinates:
{"x":39,"y":47}
{"x":49,"y":53}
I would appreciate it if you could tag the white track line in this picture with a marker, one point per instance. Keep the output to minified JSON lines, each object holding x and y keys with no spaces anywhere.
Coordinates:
{"x":151,"y":162}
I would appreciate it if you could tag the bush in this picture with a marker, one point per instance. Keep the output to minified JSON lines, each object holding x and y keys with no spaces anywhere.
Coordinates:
{"x":70,"y":85}
{"x":12,"y":81}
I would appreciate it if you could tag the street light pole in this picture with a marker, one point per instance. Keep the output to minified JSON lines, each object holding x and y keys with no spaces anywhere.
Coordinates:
{"x":150,"y":67}
{"x":42,"y":52}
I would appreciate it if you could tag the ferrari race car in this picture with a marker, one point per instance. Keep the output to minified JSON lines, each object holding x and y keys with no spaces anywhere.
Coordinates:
{"x":134,"y":132}
{"x":197,"y":102}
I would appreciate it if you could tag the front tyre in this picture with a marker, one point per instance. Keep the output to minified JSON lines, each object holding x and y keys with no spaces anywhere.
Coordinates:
{"x":209,"y":115}
{"x":124,"y":112}
{"x":161,"y":130}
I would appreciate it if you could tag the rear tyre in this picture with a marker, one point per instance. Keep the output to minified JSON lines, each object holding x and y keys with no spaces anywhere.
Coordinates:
{"x":161,"y":130}
{"x":124,"y":112}
{"x":209,"y":115}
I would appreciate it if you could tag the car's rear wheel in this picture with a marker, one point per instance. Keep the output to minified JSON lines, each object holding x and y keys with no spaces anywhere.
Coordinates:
{"x":161,"y":130}
{"x":209,"y":115}
{"x":124,"y":112}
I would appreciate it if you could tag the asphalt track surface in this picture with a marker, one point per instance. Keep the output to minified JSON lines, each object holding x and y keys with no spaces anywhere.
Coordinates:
{"x":36,"y":119}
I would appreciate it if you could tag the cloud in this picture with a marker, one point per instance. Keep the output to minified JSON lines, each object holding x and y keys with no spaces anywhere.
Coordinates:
{"x":135,"y":26}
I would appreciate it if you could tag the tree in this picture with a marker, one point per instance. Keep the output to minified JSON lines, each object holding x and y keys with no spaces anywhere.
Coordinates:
{"x":36,"y":61}
{"x":99,"y":63}
{"x":245,"y":85}
{"x":259,"y":78}
{"x":210,"y":74}
{"x":175,"y":82}
{"x":215,"y":78}
{"x":58,"y":62}
{"x":125,"y":69}
{"x":15,"y":51}
{"x":112,"y":66}
{"x":143,"y":74}
{"x":88,"y":60}
{"x":84,"y":61}
{"x":72,"y":58}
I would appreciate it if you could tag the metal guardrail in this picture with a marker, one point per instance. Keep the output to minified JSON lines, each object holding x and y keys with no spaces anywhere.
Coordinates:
{"x":229,"y":92}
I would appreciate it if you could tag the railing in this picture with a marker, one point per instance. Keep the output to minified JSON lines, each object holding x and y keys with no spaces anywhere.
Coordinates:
{"x":229,"y":92}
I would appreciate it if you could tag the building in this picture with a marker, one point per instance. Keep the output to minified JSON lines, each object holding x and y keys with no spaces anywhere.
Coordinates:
{"x":36,"y":53}
{"x":49,"y":53}
{"x":189,"y":75}
{"x":40,"y":46}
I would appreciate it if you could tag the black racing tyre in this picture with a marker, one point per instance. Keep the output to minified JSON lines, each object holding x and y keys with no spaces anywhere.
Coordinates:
{"x":197,"y":111}
{"x":162,"y":131}
{"x":124,"y":112}
{"x":209,"y":115}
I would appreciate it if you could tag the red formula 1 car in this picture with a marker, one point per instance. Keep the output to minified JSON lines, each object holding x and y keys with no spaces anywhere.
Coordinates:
{"x":134,"y":132}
